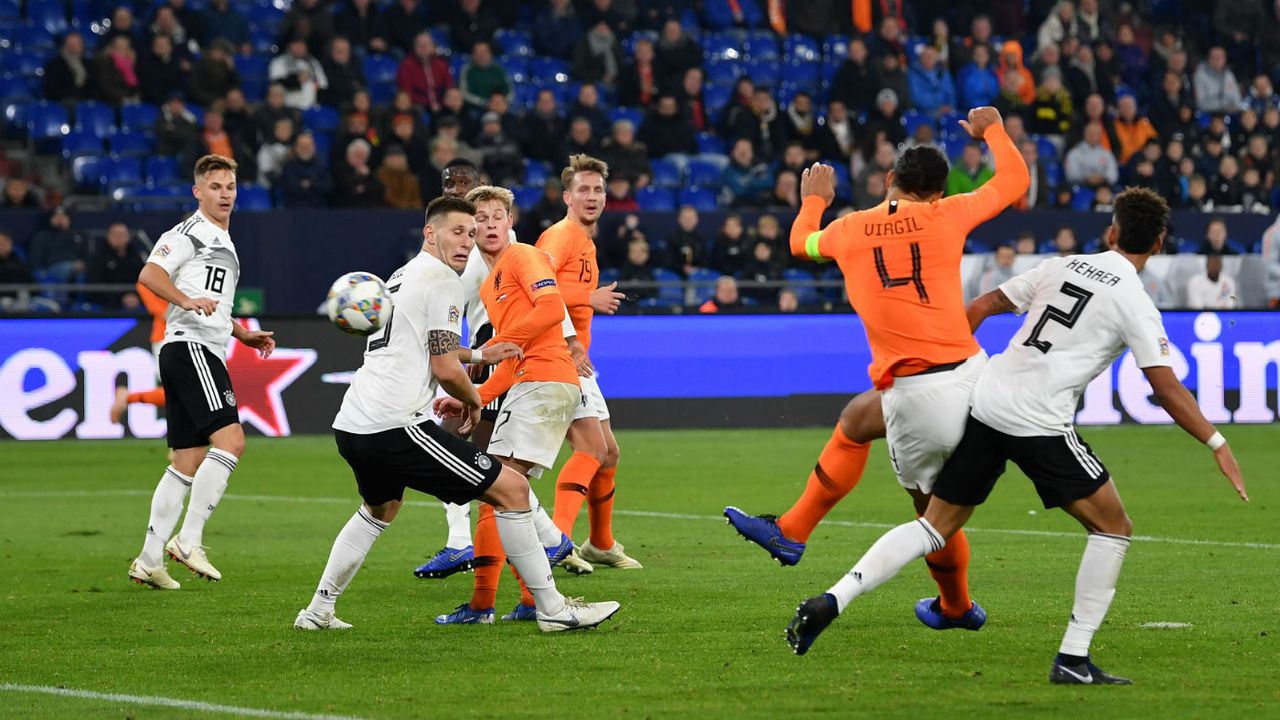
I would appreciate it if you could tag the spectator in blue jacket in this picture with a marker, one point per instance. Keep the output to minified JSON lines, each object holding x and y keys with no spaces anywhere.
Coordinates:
{"x":556,"y":30}
{"x":221,"y":20}
{"x":747,"y":181}
{"x":304,"y":180}
{"x":977,"y":84}
{"x":932,"y":90}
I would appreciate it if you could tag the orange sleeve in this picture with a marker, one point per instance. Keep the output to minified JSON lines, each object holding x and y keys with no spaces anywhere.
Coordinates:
{"x":1008,"y":184}
{"x":538,"y":282}
{"x":808,"y":240}
{"x":500,"y":381}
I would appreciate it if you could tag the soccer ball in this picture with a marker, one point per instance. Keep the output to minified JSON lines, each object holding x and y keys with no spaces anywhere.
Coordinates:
{"x":359,"y":303}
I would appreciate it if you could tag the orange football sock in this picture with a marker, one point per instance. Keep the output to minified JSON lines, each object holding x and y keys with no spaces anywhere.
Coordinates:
{"x":489,"y":560}
{"x":600,"y":507}
{"x":571,"y":489}
{"x":150,"y":397}
{"x":950,"y":569}
{"x":838,"y":470}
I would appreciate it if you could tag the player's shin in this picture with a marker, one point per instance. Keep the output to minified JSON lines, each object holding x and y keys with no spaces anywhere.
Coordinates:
{"x":520,"y":540}
{"x":1095,"y":587}
{"x":950,"y":570}
{"x":166,"y":508}
{"x":837,"y":471}
{"x":571,"y":488}
{"x":600,"y":507}
{"x":489,"y":558}
{"x":886,"y":557}
{"x":346,"y":557}
{"x":206,"y":491}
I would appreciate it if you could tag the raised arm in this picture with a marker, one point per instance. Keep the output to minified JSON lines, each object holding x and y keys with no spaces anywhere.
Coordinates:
{"x":1011,"y":178}
{"x":818,"y":189}
{"x":1184,"y":410}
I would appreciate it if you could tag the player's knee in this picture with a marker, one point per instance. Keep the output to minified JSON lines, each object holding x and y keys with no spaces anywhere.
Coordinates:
{"x":229,"y":439}
{"x":1124,"y":526}
{"x":862,"y":420}
{"x":387,"y":511}
{"x":509,"y":492}
{"x":611,"y":456}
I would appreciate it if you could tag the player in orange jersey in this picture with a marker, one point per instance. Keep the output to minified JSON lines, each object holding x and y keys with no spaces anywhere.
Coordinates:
{"x":901,"y":262}
{"x":588,"y":475}
{"x":157,"y":308}
{"x":525,"y":308}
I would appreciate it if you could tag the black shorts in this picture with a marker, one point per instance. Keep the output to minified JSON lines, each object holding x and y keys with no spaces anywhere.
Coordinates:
{"x":1063,"y":467}
{"x":423,"y":457}
{"x":488,"y":412}
{"x":199,"y":400}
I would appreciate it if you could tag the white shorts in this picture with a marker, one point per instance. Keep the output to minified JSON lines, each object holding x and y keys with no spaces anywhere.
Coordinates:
{"x":592,"y":405}
{"x":533,"y":423}
{"x":924,"y":419}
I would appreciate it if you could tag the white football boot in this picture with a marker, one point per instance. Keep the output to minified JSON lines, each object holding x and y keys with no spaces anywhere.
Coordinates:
{"x":574,"y":563}
{"x":308,"y":620}
{"x":577,"y":615}
{"x":157,"y":578}
{"x":614,"y":557}
{"x":193,"y":557}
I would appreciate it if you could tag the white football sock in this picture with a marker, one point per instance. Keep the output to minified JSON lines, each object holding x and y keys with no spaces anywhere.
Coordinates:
{"x":886,"y":557}
{"x":548,"y":534}
{"x":1095,"y":587}
{"x":525,"y":553}
{"x":459,"y":519}
{"x":166,"y":508}
{"x":210,"y":482}
{"x":346,"y":557}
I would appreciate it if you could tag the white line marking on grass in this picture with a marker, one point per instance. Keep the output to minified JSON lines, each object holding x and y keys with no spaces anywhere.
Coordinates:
{"x":647,"y":514}
{"x":158,"y":701}
{"x":1164,"y":625}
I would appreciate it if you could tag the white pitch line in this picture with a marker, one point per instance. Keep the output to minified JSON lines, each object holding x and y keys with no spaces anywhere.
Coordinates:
{"x":1165,"y":625}
{"x":648,"y":514}
{"x":158,"y":701}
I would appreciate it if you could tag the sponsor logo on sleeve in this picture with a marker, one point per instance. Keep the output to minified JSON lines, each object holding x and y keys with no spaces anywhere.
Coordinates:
{"x":454,"y":314}
{"x":548,"y":282}
{"x":163,"y":251}
{"x":1164,"y":347}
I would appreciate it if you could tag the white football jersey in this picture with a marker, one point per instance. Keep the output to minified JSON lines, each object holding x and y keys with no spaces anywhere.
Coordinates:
{"x":1082,"y":312}
{"x":473,"y":276}
{"x":202,"y":262}
{"x":394,"y":386}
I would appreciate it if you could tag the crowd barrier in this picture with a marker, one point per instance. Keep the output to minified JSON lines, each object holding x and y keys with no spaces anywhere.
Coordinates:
{"x":58,"y":374}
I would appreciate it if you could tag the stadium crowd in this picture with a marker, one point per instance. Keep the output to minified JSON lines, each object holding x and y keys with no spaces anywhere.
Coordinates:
{"x":696,"y":106}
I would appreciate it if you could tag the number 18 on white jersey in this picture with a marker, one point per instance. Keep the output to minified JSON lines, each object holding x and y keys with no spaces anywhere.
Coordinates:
{"x":202,"y":262}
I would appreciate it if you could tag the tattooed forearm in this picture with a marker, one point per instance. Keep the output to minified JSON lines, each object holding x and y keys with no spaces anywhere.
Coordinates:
{"x":442,"y":342}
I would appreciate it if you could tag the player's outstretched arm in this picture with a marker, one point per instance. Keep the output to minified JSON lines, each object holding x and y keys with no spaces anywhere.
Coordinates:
{"x":260,"y":340}
{"x":1182,"y":407}
{"x":1011,"y":178}
{"x":817,"y":191}
{"x":442,"y":346}
{"x":157,"y":280}
{"x":983,"y":307}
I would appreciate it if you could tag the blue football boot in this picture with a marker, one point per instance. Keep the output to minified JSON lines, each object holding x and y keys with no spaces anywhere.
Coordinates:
{"x":447,"y":562}
{"x":464,"y":615}
{"x":812,"y":617}
{"x":929,"y":612}
{"x":522,"y":612}
{"x":763,"y":531}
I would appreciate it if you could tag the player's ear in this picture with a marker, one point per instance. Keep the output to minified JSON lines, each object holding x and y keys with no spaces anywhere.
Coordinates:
{"x":889,"y":179}
{"x":1111,"y":236}
{"x":1159,"y":246}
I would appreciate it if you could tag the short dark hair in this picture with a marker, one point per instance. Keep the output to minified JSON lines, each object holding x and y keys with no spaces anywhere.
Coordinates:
{"x":921,"y":170}
{"x":446,"y":204}
{"x":1141,"y":217}
{"x":463,"y":163}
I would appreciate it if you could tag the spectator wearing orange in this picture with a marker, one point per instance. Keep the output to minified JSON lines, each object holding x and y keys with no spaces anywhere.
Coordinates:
{"x":1133,"y":130}
{"x":1011,"y":62}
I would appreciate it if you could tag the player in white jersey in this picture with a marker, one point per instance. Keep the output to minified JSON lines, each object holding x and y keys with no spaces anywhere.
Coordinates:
{"x":385,"y":433}
{"x":195,"y":268}
{"x":1082,"y":312}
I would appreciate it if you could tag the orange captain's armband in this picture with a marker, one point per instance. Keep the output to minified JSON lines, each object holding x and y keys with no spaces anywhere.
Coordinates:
{"x":811,"y":247}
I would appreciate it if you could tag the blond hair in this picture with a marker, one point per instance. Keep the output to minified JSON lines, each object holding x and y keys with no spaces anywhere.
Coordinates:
{"x":487,"y":193}
{"x":210,"y":163}
{"x":582,"y":163}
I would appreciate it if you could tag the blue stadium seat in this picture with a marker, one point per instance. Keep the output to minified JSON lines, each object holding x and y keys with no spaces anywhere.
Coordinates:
{"x":517,"y":66}
{"x":954,"y":145}
{"x":95,"y":117}
{"x":380,"y":69}
{"x":635,"y":115}
{"x":765,"y":73}
{"x":382,"y":93}
{"x":701,"y":198}
{"x":1047,"y":150}
{"x":263,"y":41}
{"x":78,"y":143}
{"x":712,"y":144}
{"x":654,"y":199}
{"x":88,"y":171}
{"x":47,"y":120}
{"x":704,"y":284}
{"x":265,"y":16}
{"x":802,"y":282}
{"x":132,"y":144}
{"x":831,"y":294}
{"x":835,"y":48}
{"x":671,"y":294}
{"x":723,"y":73}
{"x":702,"y":173}
{"x":802,"y":48}
{"x":609,"y":275}
{"x":34,"y":38}
{"x":14,"y":88}
{"x":253,"y":197}
{"x":804,"y":75}
{"x":25,"y":62}
{"x":629,"y":42}
{"x":139,"y":118}
{"x":514,"y":42}
{"x":526,"y":96}
{"x":254,"y":87}
{"x":324,"y":144}
{"x":913,"y":119}
{"x":10,"y":9}
{"x":722,"y":46}
{"x":665,"y":173}
{"x":763,"y":45}
{"x":527,"y":196}
{"x":456,"y":62}
{"x":844,"y":184}
{"x":716,"y":97}
{"x":544,"y":71}
{"x":252,"y":65}
{"x":51,"y":15}
{"x":320,"y":119}
{"x":1053,"y":174}
{"x":536,"y":173}
{"x":1082,"y":199}
{"x":949,"y":125}
{"x":123,"y":171}
{"x":160,"y":169}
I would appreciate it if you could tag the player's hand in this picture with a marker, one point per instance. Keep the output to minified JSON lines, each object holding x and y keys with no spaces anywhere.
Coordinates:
{"x":981,"y":118}
{"x":261,"y":341}
{"x":606,"y":299}
{"x":819,"y":180}
{"x":200,"y":306}
{"x":470,"y":420}
{"x":495,"y":353}
{"x":580,"y":358}
{"x":1229,"y":467}
{"x":447,"y":407}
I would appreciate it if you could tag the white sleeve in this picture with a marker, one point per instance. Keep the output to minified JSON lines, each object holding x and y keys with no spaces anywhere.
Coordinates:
{"x":444,"y":306}
{"x":566,"y":325}
{"x":172,"y":250}
{"x":1143,"y":331}
{"x":1021,"y":289}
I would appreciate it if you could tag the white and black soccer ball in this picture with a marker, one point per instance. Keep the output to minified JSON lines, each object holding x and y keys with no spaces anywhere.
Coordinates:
{"x":359,"y":303}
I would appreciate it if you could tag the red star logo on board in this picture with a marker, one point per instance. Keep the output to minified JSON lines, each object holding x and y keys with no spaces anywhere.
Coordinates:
{"x":260,"y":382}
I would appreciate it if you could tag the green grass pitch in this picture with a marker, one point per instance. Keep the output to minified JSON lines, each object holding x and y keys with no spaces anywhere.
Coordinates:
{"x":700,"y":631}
